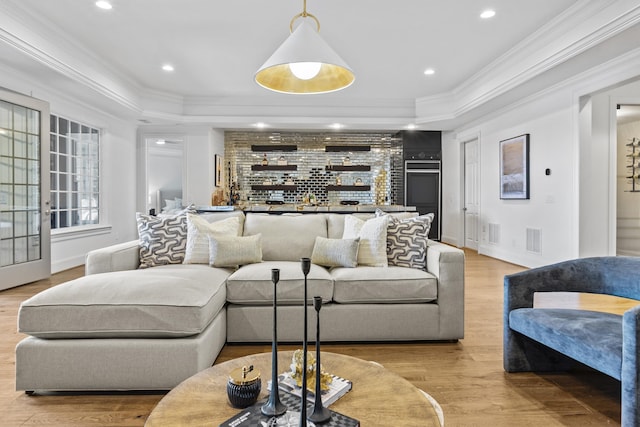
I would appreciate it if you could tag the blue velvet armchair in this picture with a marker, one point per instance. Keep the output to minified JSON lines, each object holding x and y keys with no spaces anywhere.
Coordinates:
{"x":539,"y":339}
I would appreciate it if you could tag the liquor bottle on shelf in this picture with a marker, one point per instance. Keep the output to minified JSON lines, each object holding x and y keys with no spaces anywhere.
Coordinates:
{"x":265,"y":161}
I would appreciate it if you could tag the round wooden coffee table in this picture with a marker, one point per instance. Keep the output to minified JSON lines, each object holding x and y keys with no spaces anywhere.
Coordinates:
{"x":378,"y":397}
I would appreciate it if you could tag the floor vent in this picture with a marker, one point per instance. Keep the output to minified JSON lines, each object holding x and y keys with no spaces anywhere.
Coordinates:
{"x":494,"y":234}
{"x":534,"y":240}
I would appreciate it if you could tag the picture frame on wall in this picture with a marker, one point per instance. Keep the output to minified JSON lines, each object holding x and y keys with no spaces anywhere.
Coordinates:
{"x":514,"y":168}
{"x":218,"y":170}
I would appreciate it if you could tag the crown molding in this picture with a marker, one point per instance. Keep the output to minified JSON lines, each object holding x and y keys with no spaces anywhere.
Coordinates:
{"x":580,"y":28}
{"x":18,"y":30}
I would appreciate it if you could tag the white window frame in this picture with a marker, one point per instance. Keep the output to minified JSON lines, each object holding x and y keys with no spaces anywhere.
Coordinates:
{"x":72,"y":231}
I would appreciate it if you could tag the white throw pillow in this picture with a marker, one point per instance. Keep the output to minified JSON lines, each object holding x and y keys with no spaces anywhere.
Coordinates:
{"x":335,"y":252}
{"x":233,"y":251}
{"x":372,"y":250}
{"x":198,"y":232}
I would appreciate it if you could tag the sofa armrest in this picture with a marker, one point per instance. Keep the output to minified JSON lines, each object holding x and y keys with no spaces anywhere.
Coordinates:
{"x":447,"y":264}
{"x":123,"y":256}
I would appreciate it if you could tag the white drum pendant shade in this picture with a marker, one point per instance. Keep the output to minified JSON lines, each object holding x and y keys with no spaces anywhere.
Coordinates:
{"x":304,"y":45}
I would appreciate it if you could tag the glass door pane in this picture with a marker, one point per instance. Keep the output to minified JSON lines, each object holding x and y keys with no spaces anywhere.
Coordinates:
{"x":24,"y":235}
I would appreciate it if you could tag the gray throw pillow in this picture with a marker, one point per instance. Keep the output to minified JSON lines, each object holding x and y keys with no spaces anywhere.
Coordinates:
{"x":407,"y":240}
{"x":162,"y":239}
{"x":407,"y":243}
{"x":335,"y":252}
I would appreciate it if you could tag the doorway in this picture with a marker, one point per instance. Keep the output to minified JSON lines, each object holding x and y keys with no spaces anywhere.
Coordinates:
{"x":25,"y":228}
{"x":164,"y":168}
{"x":628,"y":180}
{"x":471,"y":190}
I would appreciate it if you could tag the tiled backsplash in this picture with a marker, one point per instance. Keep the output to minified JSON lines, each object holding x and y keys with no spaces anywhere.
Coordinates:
{"x":385,"y":176}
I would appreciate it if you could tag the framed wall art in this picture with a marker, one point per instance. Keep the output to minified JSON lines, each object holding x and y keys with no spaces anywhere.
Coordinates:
{"x":218,"y":170}
{"x":514,"y":168}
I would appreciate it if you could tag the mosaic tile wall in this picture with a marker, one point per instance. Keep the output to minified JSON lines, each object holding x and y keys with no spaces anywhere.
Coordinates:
{"x":385,"y":159}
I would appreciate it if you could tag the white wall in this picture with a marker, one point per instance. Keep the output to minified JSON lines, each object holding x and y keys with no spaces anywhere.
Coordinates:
{"x":117,"y":168}
{"x":570,"y":129}
{"x":549,"y":208}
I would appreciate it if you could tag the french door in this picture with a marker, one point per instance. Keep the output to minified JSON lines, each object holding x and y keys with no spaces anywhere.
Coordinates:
{"x":25,"y":252}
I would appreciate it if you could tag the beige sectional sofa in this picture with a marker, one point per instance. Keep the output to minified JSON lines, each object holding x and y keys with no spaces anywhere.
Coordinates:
{"x":121,"y":327}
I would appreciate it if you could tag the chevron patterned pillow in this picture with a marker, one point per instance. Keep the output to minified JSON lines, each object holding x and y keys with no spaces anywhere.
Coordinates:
{"x":162,"y":239}
{"x":406,"y":245}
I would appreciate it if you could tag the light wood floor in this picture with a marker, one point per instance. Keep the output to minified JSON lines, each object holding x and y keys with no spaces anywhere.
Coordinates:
{"x":465,"y":377}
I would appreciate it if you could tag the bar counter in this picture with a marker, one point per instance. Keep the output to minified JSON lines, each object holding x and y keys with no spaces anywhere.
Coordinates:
{"x":294,"y":208}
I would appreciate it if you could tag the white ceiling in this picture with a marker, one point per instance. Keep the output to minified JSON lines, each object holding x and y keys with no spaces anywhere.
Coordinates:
{"x":216,"y":46}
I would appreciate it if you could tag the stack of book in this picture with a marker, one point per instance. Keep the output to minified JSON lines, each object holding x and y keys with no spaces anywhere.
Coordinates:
{"x":338,"y":387}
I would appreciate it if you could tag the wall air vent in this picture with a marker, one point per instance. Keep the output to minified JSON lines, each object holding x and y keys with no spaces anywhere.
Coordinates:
{"x":494,"y":234}
{"x":534,"y":240}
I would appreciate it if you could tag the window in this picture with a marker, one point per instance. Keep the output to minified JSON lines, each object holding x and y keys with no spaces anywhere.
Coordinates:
{"x":75,"y":179}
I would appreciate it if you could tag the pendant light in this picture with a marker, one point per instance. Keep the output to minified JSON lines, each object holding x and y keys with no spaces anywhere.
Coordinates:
{"x":304,"y":63}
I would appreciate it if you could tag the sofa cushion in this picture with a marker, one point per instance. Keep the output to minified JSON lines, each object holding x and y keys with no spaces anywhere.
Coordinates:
{"x":286,"y":237}
{"x":383,"y":285}
{"x":164,"y":301}
{"x":198,"y":232}
{"x":252,"y":283}
{"x":231,"y":252}
{"x":372,"y":249}
{"x":335,"y":252}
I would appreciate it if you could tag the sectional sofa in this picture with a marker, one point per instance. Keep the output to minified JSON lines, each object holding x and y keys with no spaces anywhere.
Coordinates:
{"x":123,"y":327}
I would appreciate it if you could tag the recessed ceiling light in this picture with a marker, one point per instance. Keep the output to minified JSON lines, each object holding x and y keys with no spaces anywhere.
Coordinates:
{"x":161,"y":142}
{"x":336,"y":126}
{"x":411,"y":126}
{"x":103,"y":4}
{"x":488,"y":14}
{"x":429,"y":72}
{"x":168,"y":67}
{"x":261,"y":125}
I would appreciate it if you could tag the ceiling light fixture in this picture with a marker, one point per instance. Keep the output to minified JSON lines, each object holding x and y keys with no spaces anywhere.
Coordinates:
{"x":102,"y":4}
{"x":429,"y":72}
{"x":304,"y":63}
{"x":488,"y":14}
{"x":168,"y":67}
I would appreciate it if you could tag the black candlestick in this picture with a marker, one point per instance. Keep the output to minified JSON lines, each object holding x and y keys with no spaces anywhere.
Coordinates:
{"x":306,"y":267}
{"x":320,"y":413}
{"x":273,"y":406}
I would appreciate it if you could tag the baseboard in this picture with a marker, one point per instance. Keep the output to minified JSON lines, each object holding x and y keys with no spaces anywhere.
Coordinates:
{"x":450,"y":241}
{"x":66,"y":264}
{"x":626,"y":252}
